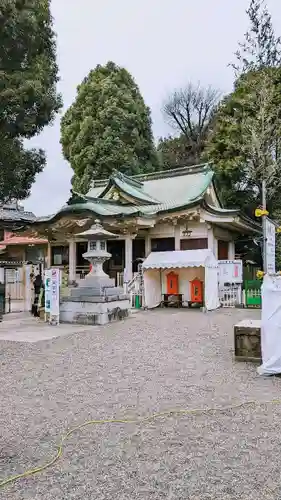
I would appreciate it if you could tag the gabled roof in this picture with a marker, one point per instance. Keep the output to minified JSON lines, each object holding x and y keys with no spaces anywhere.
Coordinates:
{"x":14,"y":212}
{"x":127,"y":186}
{"x":166,"y":190}
{"x":148,"y":194}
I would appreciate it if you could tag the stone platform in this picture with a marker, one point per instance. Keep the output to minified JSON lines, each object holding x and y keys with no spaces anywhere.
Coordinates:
{"x":93,"y":310}
{"x":247,"y":340}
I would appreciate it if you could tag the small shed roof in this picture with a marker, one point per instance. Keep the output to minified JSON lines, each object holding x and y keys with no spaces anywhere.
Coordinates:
{"x":180,"y":259}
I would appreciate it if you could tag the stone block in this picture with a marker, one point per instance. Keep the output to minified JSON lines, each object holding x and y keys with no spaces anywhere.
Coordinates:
{"x":93,"y":313}
{"x":247,"y":341}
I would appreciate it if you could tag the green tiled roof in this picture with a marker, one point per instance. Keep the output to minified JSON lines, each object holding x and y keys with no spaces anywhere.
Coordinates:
{"x":172,"y":189}
{"x":151,"y":194}
{"x":158,"y":192}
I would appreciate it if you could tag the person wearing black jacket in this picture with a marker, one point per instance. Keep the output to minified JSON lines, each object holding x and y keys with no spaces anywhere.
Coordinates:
{"x":37,"y":284}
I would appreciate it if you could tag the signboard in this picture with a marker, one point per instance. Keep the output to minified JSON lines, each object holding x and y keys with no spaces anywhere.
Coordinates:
{"x":230,"y":271}
{"x":269,"y":246}
{"x":54,"y":296}
{"x":47,"y":284}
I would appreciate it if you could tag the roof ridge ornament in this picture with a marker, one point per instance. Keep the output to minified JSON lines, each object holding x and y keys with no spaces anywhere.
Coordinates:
{"x":127,"y":188}
{"x":127,"y":179}
{"x":175,"y":172}
{"x":140,"y":179}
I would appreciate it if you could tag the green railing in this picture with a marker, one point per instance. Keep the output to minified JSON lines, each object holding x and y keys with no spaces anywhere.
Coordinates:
{"x":253,"y":293}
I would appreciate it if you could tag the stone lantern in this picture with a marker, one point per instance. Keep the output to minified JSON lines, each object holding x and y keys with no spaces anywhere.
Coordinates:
{"x":96,"y":300}
{"x":97,"y":252}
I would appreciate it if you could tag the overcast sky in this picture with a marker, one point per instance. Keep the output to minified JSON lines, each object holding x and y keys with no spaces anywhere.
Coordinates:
{"x":163,"y":44}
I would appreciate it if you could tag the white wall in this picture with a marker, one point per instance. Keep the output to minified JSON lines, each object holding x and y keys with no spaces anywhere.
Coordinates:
{"x":162,"y":231}
{"x":223,"y":234}
{"x":198,"y":230}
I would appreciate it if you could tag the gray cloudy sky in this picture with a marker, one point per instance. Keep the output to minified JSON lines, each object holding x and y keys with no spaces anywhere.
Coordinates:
{"x":163,"y":43}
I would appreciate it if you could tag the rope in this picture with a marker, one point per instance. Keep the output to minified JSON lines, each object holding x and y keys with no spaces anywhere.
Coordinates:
{"x":137,"y":420}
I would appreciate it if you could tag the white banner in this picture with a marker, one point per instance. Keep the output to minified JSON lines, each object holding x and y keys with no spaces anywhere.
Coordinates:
{"x":47,"y":283}
{"x":55,"y":296}
{"x":269,"y":247}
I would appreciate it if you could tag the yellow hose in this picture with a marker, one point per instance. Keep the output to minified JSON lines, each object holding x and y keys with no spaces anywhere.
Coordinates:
{"x":137,"y":420}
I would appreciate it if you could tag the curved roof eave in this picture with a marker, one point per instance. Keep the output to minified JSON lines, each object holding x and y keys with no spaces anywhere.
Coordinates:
{"x":66,"y":210}
{"x":235,"y":212}
{"x":103,"y":209}
{"x":219,"y":210}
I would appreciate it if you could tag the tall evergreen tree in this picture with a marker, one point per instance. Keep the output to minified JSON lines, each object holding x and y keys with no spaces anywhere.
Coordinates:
{"x":245,"y":142}
{"x":175,"y":152}
{"x":261,"y":48}
{"x":28,"y":96}
{"x":107,"y":127}
{"x":245,"y":139}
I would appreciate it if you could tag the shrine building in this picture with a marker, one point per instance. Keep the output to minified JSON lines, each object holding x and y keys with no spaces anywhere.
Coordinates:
{"x":175,"y":209}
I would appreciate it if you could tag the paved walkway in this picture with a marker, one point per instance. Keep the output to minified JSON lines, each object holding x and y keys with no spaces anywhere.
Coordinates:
{"x":154,"y":362}
{"x":22,"y":327}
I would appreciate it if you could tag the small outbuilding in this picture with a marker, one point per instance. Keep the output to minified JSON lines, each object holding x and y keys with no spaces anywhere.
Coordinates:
{"x":190,"y":274}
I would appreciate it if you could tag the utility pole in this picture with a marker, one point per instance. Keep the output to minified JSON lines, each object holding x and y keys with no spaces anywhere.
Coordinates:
{"x":264,"y":226}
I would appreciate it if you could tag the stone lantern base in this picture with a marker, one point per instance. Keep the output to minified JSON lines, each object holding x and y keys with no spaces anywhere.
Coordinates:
{"x":95,"y":301}
{"x":91,"y":310}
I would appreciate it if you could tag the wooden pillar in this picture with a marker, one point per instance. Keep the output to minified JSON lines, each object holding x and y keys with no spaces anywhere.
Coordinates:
{"x":72,"y":260}
{"x":49,"y":256}
{"x":128,"y":274}
{"x":215,"y":248}
{"x":177,"y":234}
{"x":147,"y":244}
{"x":212,"y":242}
{"x":231,"y":250}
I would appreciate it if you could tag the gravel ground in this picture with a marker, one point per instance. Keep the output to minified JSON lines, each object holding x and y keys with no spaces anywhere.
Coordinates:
{"x":156,"y":361}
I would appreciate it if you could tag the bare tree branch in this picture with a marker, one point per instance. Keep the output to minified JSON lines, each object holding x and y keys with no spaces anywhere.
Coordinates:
{"x":190,"y":110}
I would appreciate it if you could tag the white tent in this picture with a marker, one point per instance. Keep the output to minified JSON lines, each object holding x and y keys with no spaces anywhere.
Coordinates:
{"x":189,"y":264}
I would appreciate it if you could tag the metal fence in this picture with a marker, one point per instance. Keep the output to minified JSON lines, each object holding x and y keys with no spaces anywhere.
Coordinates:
{"x":230,"y":295}
{"x":253,"y":294}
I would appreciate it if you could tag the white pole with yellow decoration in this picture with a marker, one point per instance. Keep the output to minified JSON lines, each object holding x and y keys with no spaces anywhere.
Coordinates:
{"x":262,"y":212}
{"x":264,"y":255}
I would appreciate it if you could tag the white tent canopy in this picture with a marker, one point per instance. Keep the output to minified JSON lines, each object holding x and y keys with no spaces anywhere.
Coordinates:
{"x":189,"y":264}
